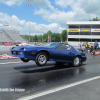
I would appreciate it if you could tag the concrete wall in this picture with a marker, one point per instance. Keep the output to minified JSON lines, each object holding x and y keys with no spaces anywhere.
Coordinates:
{"x":5,"y":48}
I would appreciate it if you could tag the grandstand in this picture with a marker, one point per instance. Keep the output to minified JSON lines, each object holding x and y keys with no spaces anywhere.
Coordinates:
{"x":12,"y":36}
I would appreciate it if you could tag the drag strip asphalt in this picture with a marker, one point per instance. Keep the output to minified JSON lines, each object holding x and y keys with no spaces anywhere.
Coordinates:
{"x":4,"y":52}
{"x":34,"y":79}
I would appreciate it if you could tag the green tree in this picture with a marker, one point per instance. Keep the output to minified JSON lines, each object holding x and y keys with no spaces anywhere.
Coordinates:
{"x":64,"y":35}
{"x":55,"y":37}
{"x":26,"y":36}
{"x":35,"y":38}
{"x":95,"y":19}
{"x":45,"y":37}
{"x":31,"y":38}
{"x":49,"y":34}
{"x":40,"y":38}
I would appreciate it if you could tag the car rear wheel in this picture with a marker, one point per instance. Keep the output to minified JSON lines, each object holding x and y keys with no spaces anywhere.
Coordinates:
{"x":41,"y":59}
{"x":76,"y":61}
{"x":24,"y":59}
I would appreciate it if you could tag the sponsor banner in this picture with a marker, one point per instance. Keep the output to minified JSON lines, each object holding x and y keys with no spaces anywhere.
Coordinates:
{"x":97,"y":52}
{"x":8,"y":44}
{"x":85,"y":30}
{"x":5,"y":56}
{"x":95,"y":30}
{"x":73,"y":30}
{"x":5,"y":25}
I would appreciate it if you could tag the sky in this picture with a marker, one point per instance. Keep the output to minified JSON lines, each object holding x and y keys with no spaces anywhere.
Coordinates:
{"x":46,"y":14}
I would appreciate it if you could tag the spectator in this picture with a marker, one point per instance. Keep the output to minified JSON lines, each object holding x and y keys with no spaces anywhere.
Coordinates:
{"x":96,"y":45}
{"x":80,"y":45}
{"x":87,"y":45}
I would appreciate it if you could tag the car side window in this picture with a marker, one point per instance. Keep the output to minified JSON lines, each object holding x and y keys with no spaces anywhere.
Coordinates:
{"x":68,"y":47}
{"x":63,"y":46}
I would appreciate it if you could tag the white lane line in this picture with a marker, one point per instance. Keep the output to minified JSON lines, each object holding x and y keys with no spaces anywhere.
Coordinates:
{"x":58,"y":89}
{"x":13,"y":62}
{"x":10,"y":63}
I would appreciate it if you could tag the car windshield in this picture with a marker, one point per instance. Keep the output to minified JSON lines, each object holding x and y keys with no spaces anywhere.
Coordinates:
{"x":52,"y":45}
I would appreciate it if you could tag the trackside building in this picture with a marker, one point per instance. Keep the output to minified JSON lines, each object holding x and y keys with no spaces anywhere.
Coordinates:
{"x":83,"y":31}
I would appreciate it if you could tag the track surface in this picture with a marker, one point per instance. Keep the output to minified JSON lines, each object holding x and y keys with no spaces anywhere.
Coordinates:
{"x":15,"y":74}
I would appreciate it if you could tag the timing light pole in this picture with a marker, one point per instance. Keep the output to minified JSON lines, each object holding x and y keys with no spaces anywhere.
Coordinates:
{"x":30,"y":2}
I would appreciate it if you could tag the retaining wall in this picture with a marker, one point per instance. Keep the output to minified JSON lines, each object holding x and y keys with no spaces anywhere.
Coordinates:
{"x":5,"y":48}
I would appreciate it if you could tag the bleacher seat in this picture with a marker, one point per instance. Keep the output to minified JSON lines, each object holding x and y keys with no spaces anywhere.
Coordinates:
{"x":10,"y":36}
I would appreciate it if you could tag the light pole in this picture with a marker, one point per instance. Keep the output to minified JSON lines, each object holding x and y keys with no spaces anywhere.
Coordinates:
{"x":67,"y":36}
{"x":30,"y":2}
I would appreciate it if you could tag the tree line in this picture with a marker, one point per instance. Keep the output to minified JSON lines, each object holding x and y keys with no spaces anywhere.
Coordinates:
{"x":48,"y":37}
{"x":95,"y":19}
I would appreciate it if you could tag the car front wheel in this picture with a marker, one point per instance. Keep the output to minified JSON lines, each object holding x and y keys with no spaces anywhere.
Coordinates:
{"x":24,"y":59}
{"x":77,"y":61}
{"x":41,"y":59}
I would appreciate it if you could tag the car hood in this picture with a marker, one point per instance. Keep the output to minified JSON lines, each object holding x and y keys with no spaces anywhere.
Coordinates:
{"x":18,"y":48}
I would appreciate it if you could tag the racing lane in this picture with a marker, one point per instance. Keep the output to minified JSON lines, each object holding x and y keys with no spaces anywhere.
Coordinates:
{"x":15,"y":74}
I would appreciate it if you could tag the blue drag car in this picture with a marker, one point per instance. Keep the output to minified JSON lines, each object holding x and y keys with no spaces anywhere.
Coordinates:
{"x":55,"y":51}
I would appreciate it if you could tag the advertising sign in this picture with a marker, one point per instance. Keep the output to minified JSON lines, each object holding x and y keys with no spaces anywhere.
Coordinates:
{"x":8,"y":44}
{"x":5,"y":56}
{"x":97,"y":52}
{"x":85,"y":30}
{"x":5,"y":25}
{"x":95,"y":30}
{"x":73,"y":30}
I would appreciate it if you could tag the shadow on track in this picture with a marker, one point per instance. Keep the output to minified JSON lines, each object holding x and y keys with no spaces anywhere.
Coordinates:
{"x":39,"y":79}
{"x":48,"y":67}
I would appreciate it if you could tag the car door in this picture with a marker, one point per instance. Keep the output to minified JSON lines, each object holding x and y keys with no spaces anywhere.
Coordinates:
{"x":62,"y":52}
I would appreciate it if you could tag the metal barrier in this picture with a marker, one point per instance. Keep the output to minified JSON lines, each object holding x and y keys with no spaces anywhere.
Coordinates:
{"x":96,"y":52}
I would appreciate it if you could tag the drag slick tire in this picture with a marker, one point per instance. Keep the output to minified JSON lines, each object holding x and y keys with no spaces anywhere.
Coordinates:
{"x":76,"y":61}
{"x":24,"y":59}
{"x":41,"y":59}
